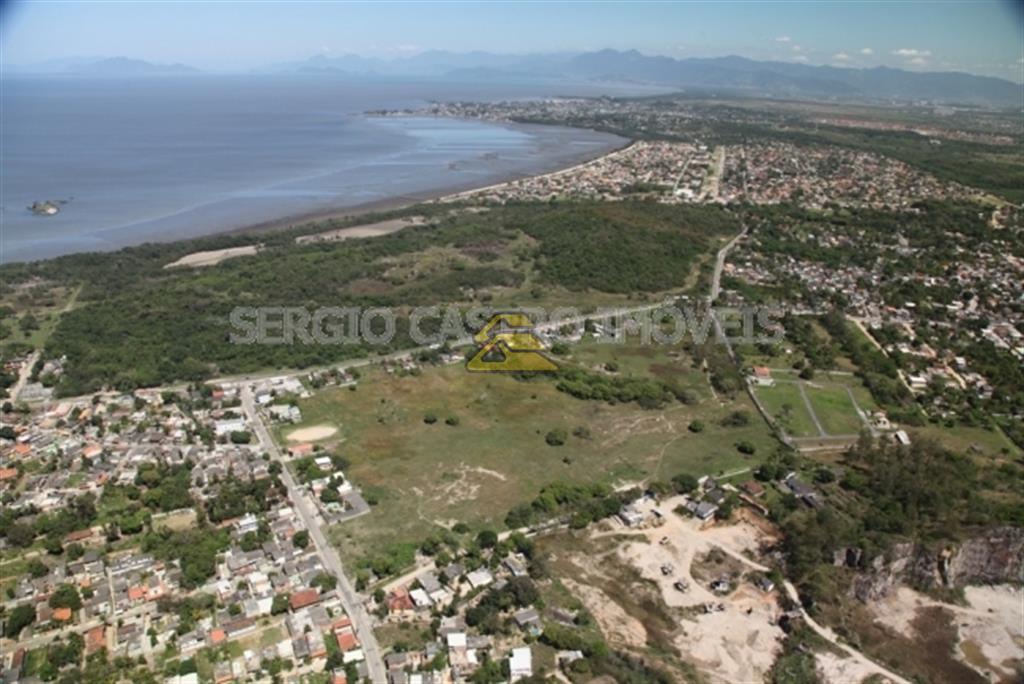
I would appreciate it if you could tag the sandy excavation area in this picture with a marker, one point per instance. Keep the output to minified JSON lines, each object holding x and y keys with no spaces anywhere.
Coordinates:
{"x":312,"y":433}
{"x":990,"y":628}
{"x":739,"y":642}
{"x":835,"y":669}
{"x":364,"y":231}
{"x":213,"y":257}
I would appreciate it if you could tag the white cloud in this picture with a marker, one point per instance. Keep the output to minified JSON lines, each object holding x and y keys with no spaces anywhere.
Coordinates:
{"x":841,"y":57}
{"x":783,"y":39}
{"x":800,"y":58}
{"x":867,"y":51}
{"x":919,"y":61}
{"x":912,"y":52}
{"x":797,"y":48}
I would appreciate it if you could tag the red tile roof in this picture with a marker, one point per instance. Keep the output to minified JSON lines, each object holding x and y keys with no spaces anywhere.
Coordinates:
{"x":95,"y":639}
{"x":306,"y":597}
{"x":347,"y":641}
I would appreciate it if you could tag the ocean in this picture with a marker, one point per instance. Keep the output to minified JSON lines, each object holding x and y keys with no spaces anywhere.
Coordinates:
{"x":159,"y":159}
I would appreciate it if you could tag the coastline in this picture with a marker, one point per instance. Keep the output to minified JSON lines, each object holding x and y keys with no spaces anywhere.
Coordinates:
{"x":555,"y":153}
{"x":404,"y":201}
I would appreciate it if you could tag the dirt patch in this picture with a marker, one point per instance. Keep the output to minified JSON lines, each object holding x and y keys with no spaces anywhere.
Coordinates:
{"x":213,"y":257}
{"x":313,"y":433}
{"x":929,"y":653}
{"x":460,"y":485}
{"x":363,"y":231}
{"x":737,"y":639}
{"x":176,"y":520}
{"x":716,"y":564}
{"x":992,"y":631}
{"x":834,"y":669}
{"x":616,"y":624}
{"x":988,"y":631}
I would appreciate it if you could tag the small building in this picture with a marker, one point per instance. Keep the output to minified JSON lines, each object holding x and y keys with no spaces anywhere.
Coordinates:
{"x":480,"y":578}
{"x":752,"y":488}
{"x":529,"y":620}
{"x":705,"y":510}
{"x":630,"y":516}
{"x":302,"y":599}
{"x":520,"y":664}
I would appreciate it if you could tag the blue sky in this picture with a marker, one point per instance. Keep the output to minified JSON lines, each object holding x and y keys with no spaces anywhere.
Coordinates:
{"x":978,"y":36}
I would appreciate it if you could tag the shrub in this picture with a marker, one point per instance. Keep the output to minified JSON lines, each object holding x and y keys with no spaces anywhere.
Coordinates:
{"x":737,"y":419}
{"x":556,"y":437}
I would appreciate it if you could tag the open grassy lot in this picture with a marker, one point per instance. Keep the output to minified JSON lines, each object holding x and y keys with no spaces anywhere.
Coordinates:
{"x":834,"y":409}
{"x":29,"y":315}
{"x":833,"y":397}
{"x":976,"y":441}
{"x":783,"y":401}
{"x":496,"y":456}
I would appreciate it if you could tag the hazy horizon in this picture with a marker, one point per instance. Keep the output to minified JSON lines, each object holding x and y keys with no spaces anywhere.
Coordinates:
{"x":982,"y":38}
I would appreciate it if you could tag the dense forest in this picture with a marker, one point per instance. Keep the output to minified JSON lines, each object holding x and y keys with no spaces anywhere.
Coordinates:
{"x":137,"y":323}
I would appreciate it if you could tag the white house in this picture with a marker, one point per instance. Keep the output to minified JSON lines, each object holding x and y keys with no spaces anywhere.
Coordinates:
{"x":520,"y":664}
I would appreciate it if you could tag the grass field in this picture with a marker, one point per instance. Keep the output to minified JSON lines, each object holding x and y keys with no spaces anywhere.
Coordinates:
{"x":429,"y":475}
{"x":784,"y":403}
{"x":44,"y":306}
{"x":829,"y":395}
{"x":834,"y":409}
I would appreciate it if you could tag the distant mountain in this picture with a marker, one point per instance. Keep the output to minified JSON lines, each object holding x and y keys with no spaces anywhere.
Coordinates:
{"x":725,"y":74}
{"x":123,"y":66}
{"x":103,"y":66}
{"x":732,"y":73}
{"x":785,"y":78}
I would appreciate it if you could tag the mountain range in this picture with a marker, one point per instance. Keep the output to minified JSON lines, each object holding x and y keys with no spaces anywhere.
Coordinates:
{"x":731,"y":73}
{"x":102,"y":66}
{"x":726,"y":74}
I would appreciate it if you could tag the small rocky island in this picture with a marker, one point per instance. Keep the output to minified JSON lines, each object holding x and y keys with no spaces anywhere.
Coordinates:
{"x":44,"y":208}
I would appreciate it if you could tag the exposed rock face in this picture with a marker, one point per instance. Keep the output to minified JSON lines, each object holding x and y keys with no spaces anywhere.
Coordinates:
{"x":994,"y":557}
{"x":990,"y":557}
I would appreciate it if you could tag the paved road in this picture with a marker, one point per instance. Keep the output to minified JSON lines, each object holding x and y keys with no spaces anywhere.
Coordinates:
{"x":716,"y":278}
{"x":146,"y":610}
{"x":351,"y":600}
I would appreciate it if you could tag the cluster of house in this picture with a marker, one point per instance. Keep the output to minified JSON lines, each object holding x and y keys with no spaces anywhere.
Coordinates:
{"x":92,"y":457}
{"x":109,"y":440}
{"x":667,"y":171}
{"x":334,"y":495}
{"x":434,"y":590}
{"x":679,"y":119}
{"x":275,"y":589}
{"x":774,"y":172}
{"x":978,"y":287}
